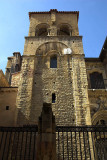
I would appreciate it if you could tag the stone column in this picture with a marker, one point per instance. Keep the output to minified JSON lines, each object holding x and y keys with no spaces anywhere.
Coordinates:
{"x":46,"y":139}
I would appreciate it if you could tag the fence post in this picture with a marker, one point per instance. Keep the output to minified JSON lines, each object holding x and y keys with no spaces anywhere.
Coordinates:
{"x":46,"y":140}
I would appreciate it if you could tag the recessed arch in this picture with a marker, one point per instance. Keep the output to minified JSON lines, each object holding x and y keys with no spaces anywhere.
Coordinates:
{"x":98,"y":116}
{"x":51,"y":47}
{"x":94,"y":70}
{"x":64,"y":29}
{"x":41,"y":29}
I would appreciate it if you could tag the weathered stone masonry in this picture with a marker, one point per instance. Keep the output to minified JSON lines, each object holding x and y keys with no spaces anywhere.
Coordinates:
{"x":50,"y":34}
{"x":25,"y":90}
{"x":65,"y":81}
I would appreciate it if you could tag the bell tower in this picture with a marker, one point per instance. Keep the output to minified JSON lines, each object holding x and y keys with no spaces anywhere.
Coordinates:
{"x":53,"y":70}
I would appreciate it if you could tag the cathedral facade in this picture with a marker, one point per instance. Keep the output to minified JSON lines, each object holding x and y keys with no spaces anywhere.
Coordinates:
{"x":53,"y":69}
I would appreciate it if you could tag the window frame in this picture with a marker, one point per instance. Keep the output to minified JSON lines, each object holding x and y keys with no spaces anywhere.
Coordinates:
{"x":55,"y":64}
{"x":95,"y":82}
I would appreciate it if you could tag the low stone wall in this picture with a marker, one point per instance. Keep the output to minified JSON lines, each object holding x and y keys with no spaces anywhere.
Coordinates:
{"x":7,"y":106}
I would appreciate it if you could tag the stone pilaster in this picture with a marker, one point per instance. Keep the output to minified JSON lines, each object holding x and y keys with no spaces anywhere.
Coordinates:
{"x":80,"y":91}
{"x":25,"y":91}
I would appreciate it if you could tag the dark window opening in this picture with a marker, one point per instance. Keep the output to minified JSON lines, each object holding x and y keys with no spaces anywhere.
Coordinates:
{"x":7,"y":107}
{"x":41,"y":32}
{"x":64,"y":30}
{"x":96,"y":80}
{"x":53,"y":62}
{"x":16,"y":68}
{"x":53,"y":97}
{"x":102,"y":122}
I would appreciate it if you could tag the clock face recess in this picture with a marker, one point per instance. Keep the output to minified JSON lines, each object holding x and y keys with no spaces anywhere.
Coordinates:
{"x":67,"y":51}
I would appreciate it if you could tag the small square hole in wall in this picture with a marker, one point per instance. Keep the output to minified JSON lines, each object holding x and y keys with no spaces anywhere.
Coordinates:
{"x":7,"y":107}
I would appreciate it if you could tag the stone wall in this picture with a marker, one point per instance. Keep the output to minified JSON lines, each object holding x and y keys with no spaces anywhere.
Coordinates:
{"x":3,"y":80}
{"x":25,"y":91}
{"x":8,"y":106}
{"x":69,"y":19}
{"x":15,"y":79}
{"x":13,"y":65}
{"x":98,"y":105}
{"x":96,"y":66}
{"x":68,"y":81}
{"x":97,"y":97}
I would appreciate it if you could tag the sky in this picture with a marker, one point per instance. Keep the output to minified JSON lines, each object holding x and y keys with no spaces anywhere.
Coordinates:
{"x":14,"y":23}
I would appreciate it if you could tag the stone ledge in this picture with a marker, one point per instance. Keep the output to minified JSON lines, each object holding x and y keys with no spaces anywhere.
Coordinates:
{"x":8,"y":89}
{"x":97,"y":92}
{"x":53,"y":37}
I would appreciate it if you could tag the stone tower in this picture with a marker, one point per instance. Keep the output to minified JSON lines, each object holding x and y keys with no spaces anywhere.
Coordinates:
{"x":53,"y":70}
{"x":13,"y":66}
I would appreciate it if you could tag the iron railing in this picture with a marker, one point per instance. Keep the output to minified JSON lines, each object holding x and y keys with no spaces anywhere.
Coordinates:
{"x":18,"y":143}
{"x":72,"y":143}
{"x":81,"y":143}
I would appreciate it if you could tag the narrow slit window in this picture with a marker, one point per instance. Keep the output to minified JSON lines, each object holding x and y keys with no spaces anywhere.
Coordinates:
{"x":53,"y":97}
{"x":7,"y":107}
{"x":53,"y":62}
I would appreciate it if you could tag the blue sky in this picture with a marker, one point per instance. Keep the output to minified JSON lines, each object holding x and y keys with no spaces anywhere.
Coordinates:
{"x":14,"y":23}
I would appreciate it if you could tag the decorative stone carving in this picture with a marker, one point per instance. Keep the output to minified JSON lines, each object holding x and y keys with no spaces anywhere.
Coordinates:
{"x":101,"y":103}
{"x":53,"y":17}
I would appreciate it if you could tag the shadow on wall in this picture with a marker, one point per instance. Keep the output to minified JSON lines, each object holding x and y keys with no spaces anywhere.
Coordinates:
{"x":41,"y":91}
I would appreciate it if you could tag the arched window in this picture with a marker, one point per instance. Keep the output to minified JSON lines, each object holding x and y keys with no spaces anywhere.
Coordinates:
{"x":96,"y":81}
{"x":53,"y":61}
{"x":41,"y":30}
{"x":64,"y":30}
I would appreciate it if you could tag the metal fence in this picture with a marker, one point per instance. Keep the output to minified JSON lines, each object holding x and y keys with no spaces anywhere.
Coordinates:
{"x":72,"y":143}
{"x":81,"y":143}
{"x":18,"y":143}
